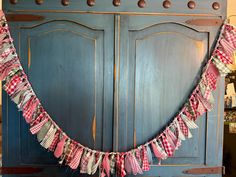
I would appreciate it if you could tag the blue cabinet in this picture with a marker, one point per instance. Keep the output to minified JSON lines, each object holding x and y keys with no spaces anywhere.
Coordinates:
{"x":113,"y":77}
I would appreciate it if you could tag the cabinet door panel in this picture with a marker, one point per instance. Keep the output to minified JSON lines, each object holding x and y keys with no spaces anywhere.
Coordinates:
{"x":162,"y":61}
{"x":67,"y":76}
{"x":165,"y":73}
{"x":70,"y":67}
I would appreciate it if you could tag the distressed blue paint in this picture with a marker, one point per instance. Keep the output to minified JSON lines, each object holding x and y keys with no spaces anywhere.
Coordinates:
{"x":71,"y":69}
{"x":162,"y":60}
{"x":157,"y":60}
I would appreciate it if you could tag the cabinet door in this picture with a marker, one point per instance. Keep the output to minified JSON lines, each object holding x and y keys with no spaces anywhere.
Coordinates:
{"x":69,"y":61}
{"x":160,"y":64}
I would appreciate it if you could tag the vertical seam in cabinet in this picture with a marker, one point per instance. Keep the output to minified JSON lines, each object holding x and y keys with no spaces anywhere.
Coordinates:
{"x":218,"y":119}
{"x":207,"y":115}
{"x":116,"y":79}
{"x":94,"y":128}
{"x":19,"y":120}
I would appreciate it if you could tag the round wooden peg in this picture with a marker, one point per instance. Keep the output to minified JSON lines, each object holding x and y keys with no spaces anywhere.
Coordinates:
{"x":13,"y":1}
{"x":39,"y":2}
{"x":166,"y":4}
{"x":65,"y":2}
{"x":91,"y":3}
{"x":116,"y":3}
{"x":141,"y":3}
{"x":191,"y":4}
{"x":215,"y":5}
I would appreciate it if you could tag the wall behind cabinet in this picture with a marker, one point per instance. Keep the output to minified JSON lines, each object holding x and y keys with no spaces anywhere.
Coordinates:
{"x":231,"y":9}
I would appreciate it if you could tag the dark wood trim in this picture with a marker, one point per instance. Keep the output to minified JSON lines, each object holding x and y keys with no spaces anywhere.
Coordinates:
{"x":204,"y":22}
{"x":205,"y":170}
{"x":19,"y":170}
{"x":23,"y":17}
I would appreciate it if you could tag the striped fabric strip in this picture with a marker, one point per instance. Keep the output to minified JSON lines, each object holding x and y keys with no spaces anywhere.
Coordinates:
{"x":70,"y":152}
{"x":128,"y":164}
{"x":228,"y":48}
{"x":76,"y":159}
{"x":158,"y":152}
{"x":35,"y":129}
{"x":177,"y":134}
{"x":136,"y":169}
{"x":138,"y":155}
{"x":28,"y":103}
{"x":8,"y":57}
{"x":191,"y":124}
{"x":149,"y":154}
{"x":98,"y":163}
{"x":90,"y":164}
{"x":9,"y":63}
{"x":27,"y":113}
{"x":181,"y":136}
{"x":193,"y":101}
{"x":43,"y":131}
{"x":131,"y":165}
{"x":38,"y":119}
{"x":173,"y":138}
{"x":16,"y":98}
{"x":55,"y":141}
{"x":200,"y":109}
{"x":9,"y":66}
{"x":106,"y":165}
{"x":28,"y":94}
{"x":206,"y":103}
{"x":5,"y":53}
{"x":65,"y":148}
{"x":205,"y":90}
{"x":47,"y":141}
{"x":84,"y":161}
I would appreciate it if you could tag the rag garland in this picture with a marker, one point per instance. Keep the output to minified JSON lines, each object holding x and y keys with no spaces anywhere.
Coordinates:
{"x":134,"y":161}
